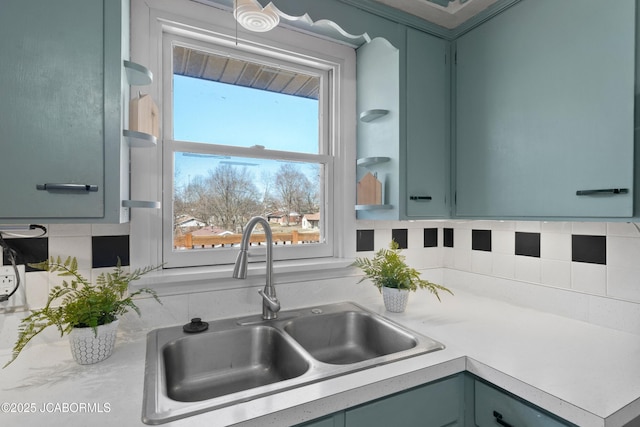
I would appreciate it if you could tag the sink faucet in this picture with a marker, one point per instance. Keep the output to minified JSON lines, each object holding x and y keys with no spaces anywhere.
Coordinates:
{"x":270,"y":303}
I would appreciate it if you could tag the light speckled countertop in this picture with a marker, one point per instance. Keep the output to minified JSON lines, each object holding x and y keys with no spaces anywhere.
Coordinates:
{"x":587,"y":374}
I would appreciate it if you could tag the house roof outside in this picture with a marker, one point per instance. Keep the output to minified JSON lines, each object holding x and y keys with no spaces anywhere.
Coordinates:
{"x":313,"y":216}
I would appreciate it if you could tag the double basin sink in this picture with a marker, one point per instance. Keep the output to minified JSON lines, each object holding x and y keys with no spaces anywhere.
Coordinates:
{"x":237,"y":360}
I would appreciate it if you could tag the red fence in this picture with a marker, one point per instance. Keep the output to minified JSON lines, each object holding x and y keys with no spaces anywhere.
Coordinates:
{"x":189,"y":241}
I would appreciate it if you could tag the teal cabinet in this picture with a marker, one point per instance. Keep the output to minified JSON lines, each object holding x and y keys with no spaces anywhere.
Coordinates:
{"x":426,"y":152}
{"x":439,"y":403}
{"x":494,"y":407}
{"x":410,"y":84}
{"x":544,"y":104}
{"x":436,"y":404}
{"x":62,"y":111}
{"x":460,"y":400}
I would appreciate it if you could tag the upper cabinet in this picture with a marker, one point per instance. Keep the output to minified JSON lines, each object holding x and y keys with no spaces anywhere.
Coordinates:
{"x":63,"y":110}
{"x":403,"y":131}
{"x":544,"y":105}
{"x":425,"y":155}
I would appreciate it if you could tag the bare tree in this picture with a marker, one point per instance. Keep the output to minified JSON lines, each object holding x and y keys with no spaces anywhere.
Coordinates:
{"x":292,"y":186}
{"x":193,"y":199}
{"x":235,"y":198}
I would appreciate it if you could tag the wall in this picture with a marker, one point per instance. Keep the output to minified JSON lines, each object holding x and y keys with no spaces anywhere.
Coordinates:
{"x":586,"y":271}
{"x":96,"y":247}
{"x":583,"y":270}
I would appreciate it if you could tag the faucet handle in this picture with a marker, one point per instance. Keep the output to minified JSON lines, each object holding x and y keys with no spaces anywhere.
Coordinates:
{"x":271,"y":301}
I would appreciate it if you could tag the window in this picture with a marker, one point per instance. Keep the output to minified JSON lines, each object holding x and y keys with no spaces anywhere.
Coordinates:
{"x":246,"y":132}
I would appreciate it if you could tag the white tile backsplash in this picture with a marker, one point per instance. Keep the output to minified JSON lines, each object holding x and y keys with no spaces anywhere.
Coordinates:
{"x":528,"y":269}
{"x":623,"y":251}
{"x":110,"y":229}
{"x":625,"y":229}
{"x":528,"y":226}
{"x":555,"y":227}
{"x":589,"y":278}
{"x":555,"y":246}
{"x":79,"y":246}
{"x":590,"y":228}
{"x":605,"y":294}
{"x":58,"y":230}
{"x":556,"y":273}
{"x":481,"y":262}
{"x":624,"y":283}
{"x":504,"y":265}
{"x":503,"y":242}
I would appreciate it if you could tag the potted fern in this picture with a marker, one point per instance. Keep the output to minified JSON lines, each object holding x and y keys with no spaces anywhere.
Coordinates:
{"x":394,"y":278}
{"x":87,"y":313}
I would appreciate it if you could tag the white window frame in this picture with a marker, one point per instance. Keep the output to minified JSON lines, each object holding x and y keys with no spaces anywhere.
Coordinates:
{"x":152,"y":22}
{"x":221,"y":256}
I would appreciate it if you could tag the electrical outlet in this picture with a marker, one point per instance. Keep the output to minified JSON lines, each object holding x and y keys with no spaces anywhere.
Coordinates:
{"x":8,"y":283}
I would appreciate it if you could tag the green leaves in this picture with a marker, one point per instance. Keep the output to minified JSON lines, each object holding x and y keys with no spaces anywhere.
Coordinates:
{"x":78,"y":303}
{"x":388,"y":269}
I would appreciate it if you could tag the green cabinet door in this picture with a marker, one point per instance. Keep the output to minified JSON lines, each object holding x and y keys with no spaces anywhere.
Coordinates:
{"x":427,"y":149}
{"x":436,"y":404}
{"x":544,"y":101}
{"x":493,"y":406}
{"x":61,"y":110}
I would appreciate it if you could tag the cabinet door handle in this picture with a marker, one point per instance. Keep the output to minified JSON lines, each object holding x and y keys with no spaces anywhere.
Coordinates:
{"x":67,"y":187}
{"x":419,"y":198}
{"x":604,"y":191}
{"x":499,"y":420}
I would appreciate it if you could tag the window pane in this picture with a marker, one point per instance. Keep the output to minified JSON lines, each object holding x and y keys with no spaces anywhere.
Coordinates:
{"x":230,"y":101}
{"x":215,"y":196}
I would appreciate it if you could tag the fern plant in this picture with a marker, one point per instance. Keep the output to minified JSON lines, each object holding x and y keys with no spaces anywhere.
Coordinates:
{"x":78,"y":303}
{"x":388,"y":269}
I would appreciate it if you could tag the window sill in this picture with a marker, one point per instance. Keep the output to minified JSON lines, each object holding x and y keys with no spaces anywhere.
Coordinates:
{"x":199,"y":279}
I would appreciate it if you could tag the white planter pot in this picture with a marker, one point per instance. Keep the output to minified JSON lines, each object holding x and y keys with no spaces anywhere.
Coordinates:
{"x":395,"y":300}
{"x":88,"y":348}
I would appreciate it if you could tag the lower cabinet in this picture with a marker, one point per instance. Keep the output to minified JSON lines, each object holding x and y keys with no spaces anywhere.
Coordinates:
{"x":440,"y":403}
{"x":436,"y":404}
{"x":461,"y":400}
{"x":493,"y":407}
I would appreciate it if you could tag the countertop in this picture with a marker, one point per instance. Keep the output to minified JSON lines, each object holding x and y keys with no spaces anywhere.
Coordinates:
{"x":587,"y":374}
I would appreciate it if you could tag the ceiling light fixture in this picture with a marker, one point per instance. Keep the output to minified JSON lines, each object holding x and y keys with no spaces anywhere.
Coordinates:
{"x":252,"y":16}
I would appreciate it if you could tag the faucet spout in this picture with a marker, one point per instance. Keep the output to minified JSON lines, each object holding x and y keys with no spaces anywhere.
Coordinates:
{"x":270,"y":303}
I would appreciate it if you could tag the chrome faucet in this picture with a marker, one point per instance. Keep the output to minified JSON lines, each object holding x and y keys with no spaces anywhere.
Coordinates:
{"x":270,"y":303}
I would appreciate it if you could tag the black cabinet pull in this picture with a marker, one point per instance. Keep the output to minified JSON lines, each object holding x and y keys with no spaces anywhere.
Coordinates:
{"x":419,"y":198}
{"x":499,"y":420}
{"x":603,"y":191}
{"x":67,"y":187}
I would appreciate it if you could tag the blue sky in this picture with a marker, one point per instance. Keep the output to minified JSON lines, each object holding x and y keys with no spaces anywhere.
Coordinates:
{"x":219,"y":113}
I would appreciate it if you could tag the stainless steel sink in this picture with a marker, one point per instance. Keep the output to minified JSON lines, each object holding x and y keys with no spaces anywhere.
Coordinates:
{"x":205,"y":366}
{"x":349,"y":337}
{"x":237,"y":360}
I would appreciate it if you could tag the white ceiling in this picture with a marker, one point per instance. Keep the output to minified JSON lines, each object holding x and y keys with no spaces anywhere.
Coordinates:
{"x":455,"y":13}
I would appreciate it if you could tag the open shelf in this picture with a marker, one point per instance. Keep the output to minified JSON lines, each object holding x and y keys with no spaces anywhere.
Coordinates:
{"x":137,"y":75}
{"x":371,"y":115}
{"x":140,"y":204}
{"x":137,"y":139}
{"x":373,"y":207}
{"x":370,"y":161}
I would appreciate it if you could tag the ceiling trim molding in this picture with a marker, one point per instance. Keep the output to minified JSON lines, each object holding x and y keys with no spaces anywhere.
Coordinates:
{"x":409,"y":20}
{"x":493,"y":10}
{"x":400,"y":17}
